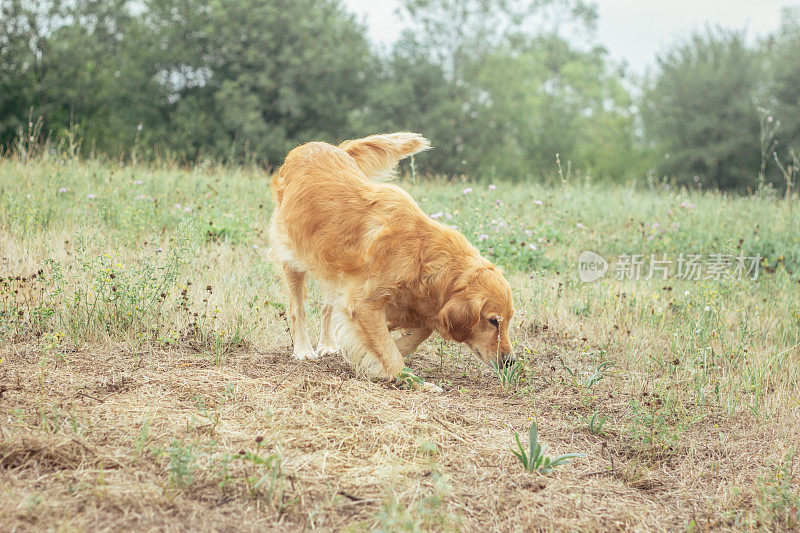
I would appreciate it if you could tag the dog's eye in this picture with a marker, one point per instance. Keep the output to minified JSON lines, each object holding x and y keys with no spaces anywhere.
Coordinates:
{"x":493,"y":321}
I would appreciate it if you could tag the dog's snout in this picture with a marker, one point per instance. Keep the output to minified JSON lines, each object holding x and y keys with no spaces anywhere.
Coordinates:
{"x":508,"y":359}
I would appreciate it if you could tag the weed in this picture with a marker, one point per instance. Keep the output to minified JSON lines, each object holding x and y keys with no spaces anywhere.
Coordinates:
{"x":779,"y":497}
{"x":428,"y":448}
{"x":595,"y":424}
{"x":536,"y":459}
{"x":590,"y":380}
{"x":141,"y":438}
{"x":425,"y":513}
{"x":265,"y":480}
{"x":651,"y":427}
{"x":406,"y":379}
{"x":182,"y":464}
{"x":509,"y":376}
{"x":32,"y":501}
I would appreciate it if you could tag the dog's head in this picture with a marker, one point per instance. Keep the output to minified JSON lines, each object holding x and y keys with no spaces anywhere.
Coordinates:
{"x":478,"y":313}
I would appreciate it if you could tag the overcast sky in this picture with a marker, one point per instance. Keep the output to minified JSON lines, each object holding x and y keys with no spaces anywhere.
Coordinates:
{"x":633,"y":30}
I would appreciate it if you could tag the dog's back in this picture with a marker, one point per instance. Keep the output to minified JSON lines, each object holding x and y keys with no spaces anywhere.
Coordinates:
{"x":328,"y":206}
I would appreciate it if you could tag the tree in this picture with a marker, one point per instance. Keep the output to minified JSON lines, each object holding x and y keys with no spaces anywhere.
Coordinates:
{"x":255,"y":77}
{"x":544,"y":97}
{"x":784,"y":89}
{"x":24,"y":28}
{"x":700,"y":111}
{"x":81,"y":66}
{"x":495,"y":84}
{"x":224,"y":78}
{"x":500,"y":91}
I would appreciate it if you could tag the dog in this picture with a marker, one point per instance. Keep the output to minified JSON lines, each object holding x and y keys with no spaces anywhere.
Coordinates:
{"x":389,"y":273}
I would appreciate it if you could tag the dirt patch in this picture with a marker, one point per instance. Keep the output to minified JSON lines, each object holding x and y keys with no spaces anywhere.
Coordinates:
{"x":103,"y":440}
{"x":55,"y":454}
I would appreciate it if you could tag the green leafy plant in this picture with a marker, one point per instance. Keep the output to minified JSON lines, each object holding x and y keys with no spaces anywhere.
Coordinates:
{"x":269,"y":480}
{"x":509,"y":376}
{"x":407,"y":379}
{"x":182,"y":464}
{"x":590,"y":380}
{"x":141,"y":440}
{"x":536,"y":460}
{"x":778,"y":496}
{"x":595,"y":424}
{"x":265,"y":479}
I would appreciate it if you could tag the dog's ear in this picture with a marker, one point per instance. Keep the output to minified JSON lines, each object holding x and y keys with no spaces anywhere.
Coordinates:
{"x":458,"y":317}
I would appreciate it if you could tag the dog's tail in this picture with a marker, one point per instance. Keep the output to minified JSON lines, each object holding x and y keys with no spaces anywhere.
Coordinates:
{"x":377,"y":155}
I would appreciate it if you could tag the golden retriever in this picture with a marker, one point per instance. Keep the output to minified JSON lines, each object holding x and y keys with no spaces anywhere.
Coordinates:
{"x":390,"y":274}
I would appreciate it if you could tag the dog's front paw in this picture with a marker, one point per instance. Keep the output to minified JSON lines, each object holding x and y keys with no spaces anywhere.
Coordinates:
{"x":326,"y":350}
{"x":304,"y":354}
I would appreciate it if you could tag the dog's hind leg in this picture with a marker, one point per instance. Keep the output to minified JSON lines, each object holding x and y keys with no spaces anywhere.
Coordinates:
{"x":296,"y":281}
{"x":326,"y":343}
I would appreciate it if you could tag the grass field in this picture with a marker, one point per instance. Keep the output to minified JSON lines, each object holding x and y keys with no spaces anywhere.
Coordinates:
{"x":146,"y":381}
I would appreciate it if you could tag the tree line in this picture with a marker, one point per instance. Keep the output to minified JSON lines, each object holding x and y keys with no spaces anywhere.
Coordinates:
{"x":499,"y":86}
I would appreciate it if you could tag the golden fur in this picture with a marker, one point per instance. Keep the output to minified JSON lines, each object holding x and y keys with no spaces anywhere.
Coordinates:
{"x":390,"y":274}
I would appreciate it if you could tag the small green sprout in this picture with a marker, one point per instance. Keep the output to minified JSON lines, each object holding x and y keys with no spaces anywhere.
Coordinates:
{"x":509,"y":376}
{"x":587,"y":382}
{"x":537,"y":461}
{"x":595,"y":423}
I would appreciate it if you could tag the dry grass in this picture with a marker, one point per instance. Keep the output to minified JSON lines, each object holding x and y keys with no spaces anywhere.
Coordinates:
{"x":88,"y":441}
